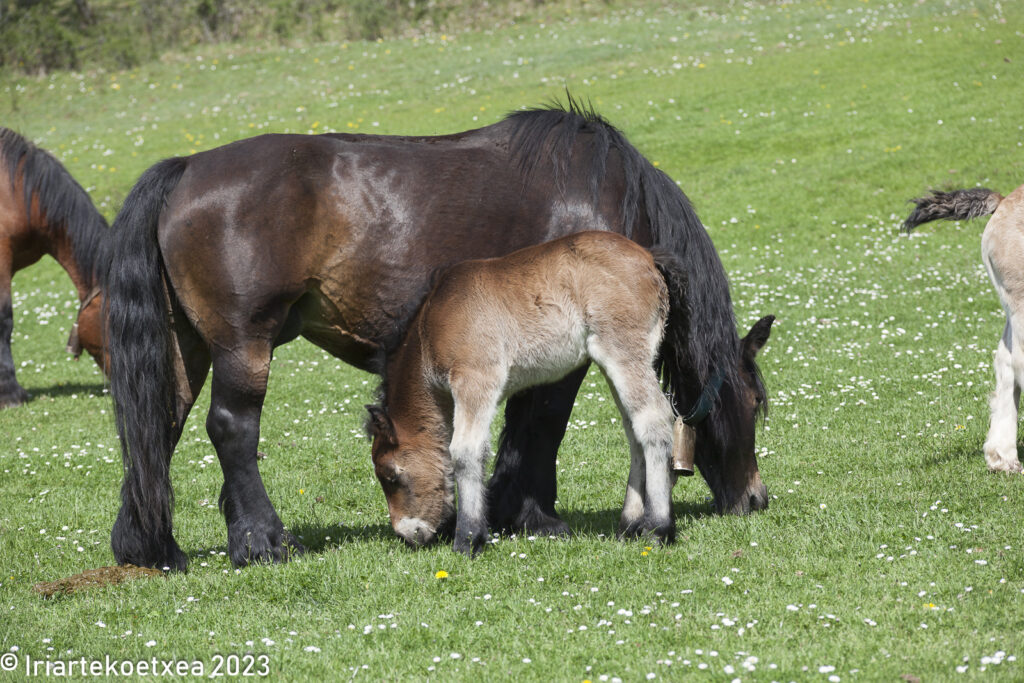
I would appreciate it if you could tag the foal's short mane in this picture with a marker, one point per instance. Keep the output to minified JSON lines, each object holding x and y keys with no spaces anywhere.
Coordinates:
{"x":555,"y":135}
{"x":66,"y":204}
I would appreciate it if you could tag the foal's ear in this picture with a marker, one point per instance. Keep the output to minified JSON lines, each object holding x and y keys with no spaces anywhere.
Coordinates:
{"x":380,"y":426}
{"x":757,"y":337}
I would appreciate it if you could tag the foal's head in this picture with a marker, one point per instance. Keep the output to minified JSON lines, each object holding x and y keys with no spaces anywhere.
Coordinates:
{"x":414,"y":469}
{"x":725,"y":451}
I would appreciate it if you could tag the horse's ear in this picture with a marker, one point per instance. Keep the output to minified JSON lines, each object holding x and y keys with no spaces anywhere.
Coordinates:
{"x":380,"y":426}
{"x":757,"y":337}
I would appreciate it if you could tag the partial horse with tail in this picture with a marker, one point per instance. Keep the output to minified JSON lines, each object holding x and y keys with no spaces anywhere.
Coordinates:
{"x":1002,"y":251}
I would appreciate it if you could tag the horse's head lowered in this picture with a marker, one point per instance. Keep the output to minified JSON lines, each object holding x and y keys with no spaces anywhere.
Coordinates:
{"x":414,"y":469}
{"x":725,"y":452}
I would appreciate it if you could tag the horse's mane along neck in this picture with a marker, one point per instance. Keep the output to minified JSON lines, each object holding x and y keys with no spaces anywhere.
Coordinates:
{"x":562,"y":136}
{"x":69,"y":212}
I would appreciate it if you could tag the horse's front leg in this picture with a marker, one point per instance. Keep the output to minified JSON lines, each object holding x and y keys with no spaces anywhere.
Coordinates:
{"x":522,"y":490}
{"x":11,"y":393}
{"x":1001,"y":443}
{"x":255,"y":532}
{"x":474,"y":409}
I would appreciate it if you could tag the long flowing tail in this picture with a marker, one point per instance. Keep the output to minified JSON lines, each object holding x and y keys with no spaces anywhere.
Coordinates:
{"x":958,"y":205}
{"x":141,"y":374}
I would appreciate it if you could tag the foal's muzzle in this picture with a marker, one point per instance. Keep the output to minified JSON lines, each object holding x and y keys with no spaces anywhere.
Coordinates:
{"x":415,"y":532}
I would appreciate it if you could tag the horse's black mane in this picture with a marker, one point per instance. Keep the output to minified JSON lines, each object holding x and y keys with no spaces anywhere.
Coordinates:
{"x":66,"y":204}
{"x":554,"y":134}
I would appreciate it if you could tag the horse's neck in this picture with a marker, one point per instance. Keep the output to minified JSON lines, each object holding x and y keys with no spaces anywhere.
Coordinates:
{"x":62,"y":250}
{"x":56,"y":235}
{"x":413,"y":401}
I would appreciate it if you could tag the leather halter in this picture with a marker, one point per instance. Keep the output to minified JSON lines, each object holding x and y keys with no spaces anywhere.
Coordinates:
{"x":706,"y":401}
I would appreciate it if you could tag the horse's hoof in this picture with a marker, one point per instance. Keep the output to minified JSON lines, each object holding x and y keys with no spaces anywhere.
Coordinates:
{"x":535,"y":521}
{"x":159,"y":551}
{"x":1009,"y":467}
{"x":13,"y":397}
{"x":271,"y":548}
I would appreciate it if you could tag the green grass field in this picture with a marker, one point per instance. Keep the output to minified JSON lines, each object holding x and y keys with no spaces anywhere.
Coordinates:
{"x":800,"y":130}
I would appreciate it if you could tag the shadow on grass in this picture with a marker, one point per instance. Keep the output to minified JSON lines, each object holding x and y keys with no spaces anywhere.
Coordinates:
{"x":316,"y":538}
{"x":63,"y":389}
{"x":595,"y":522}
{"x":959,"y":454}
{"x":320,"y":537}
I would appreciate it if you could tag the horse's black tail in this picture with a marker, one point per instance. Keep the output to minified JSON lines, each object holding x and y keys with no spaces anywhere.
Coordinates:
{"x":957,"y":205}
{"x":674,"y":362}
{"x":138,"y":338}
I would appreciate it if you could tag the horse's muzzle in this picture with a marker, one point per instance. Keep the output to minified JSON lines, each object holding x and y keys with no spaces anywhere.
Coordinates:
{"x":415,"y":532}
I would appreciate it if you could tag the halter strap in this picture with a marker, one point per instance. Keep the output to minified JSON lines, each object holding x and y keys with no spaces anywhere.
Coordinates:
{"x":74,"y":345}
{"x":706,"y":401}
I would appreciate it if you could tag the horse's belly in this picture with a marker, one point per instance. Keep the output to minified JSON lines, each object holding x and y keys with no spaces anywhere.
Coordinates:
{"x":548,"y":356}
{"x":340,"y":330}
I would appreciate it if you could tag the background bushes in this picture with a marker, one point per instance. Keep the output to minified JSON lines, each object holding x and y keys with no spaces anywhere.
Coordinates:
{"x":43,"y":35}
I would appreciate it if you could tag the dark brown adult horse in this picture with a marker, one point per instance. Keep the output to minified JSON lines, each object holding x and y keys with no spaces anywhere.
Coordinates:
{"x":43,"y":210}
{"x":221,"y":256}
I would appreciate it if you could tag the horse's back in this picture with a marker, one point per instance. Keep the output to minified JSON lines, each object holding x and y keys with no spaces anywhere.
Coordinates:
{"x":539,"y":311}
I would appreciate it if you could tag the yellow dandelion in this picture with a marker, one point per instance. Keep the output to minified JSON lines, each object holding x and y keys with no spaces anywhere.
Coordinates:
{"x":441,"y":574}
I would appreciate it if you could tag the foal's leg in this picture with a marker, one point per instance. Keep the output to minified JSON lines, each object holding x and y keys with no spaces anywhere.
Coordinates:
{"x":522,"y":490}
{"x":647,"y":417}
{"x":255,"y":532}
{"x":631,"y":523}
{"x":475,"y":404}
{"x":11,"y":393}
{"x":1001,"y":443}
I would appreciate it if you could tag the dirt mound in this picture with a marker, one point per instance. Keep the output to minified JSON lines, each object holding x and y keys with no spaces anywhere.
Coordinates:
{"x":92,"y":578}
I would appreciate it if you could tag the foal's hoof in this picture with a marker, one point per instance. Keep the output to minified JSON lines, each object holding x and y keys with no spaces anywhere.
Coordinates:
{"x":630,"y":530}
{"x":662,"y":533}
{"x":468,"y":541}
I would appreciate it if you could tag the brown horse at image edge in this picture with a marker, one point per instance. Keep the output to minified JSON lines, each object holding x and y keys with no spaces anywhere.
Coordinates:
{"x":43,"y":210}
{"x":224,"y":255}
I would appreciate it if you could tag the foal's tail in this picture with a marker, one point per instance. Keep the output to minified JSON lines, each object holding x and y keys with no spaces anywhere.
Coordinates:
{"x":955,"y":205}
{"x":138,"y":337}
{"x":674,"y":361}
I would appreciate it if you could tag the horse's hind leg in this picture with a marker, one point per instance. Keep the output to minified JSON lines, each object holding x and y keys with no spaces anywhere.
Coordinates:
{"x":11,"y":393}
{"x":647,"y":418}
{"x":522,"y":490}
{"x":255,"y":532}
{"x":1001,"y":443}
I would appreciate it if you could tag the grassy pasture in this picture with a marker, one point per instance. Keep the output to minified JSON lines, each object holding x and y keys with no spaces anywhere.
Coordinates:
{"x":799,"y":129}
